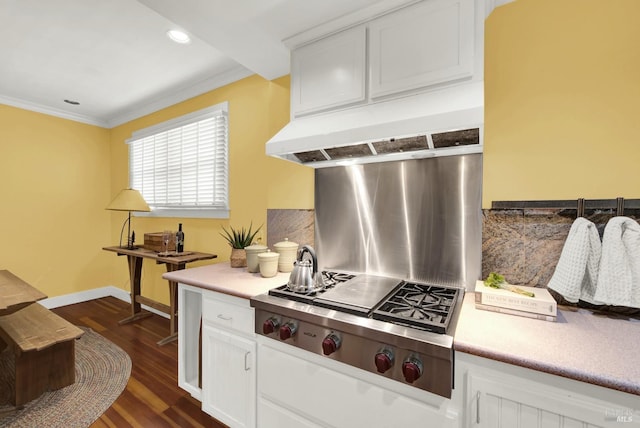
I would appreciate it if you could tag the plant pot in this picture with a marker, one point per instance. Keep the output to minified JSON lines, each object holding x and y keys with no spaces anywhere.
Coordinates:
{"x":238,"y":258}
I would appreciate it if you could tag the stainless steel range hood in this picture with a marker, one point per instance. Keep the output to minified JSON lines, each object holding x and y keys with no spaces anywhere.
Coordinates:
{"x":437,"y":123}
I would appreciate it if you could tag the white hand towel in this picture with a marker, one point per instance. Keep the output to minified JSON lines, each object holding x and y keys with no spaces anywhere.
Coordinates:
{"x":619,"y":278}
{"x":576,"y":273}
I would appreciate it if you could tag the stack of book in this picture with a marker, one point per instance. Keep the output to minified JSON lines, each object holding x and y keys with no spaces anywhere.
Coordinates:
{"x":542,"y":306}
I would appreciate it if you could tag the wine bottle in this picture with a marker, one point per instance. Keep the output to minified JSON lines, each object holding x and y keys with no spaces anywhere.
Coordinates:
{"x":179,"y":239}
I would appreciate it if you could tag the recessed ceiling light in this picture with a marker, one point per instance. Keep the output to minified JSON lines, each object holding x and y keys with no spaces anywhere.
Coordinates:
{"x":75,"y":103}
{"x":178,"y":36}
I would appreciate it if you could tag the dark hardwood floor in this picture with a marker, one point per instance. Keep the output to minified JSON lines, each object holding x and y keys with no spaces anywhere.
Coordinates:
{"x":152,"y":397}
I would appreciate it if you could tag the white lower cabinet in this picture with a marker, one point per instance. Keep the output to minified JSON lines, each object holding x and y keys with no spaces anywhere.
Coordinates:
{"x":296,"y":389}
{"x":299,"y":389}
{"x":226,"y":384}
{"x":504,"y":396}
{"x":190,"y":310}
{"x":274,"y":415}
{"x":229,"y":363}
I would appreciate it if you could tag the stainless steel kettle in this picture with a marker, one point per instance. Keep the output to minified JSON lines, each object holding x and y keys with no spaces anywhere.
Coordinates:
{"x":304,"y":276}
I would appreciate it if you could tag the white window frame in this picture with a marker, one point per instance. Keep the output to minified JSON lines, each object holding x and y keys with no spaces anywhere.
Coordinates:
{"x":191,"y":212}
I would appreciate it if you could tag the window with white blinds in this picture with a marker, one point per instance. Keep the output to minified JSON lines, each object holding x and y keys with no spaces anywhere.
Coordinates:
{"x":181,"y":166}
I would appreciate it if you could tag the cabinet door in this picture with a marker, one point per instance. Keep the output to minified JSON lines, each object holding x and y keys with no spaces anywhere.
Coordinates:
{"x":228,"y":377}
{"x":496,"y":403}
{"x":329,"y":73}
{"x":274,"y":416}
{"x":190,"y":310}
{"x":298,"y":389}
{"x":426,"y":44}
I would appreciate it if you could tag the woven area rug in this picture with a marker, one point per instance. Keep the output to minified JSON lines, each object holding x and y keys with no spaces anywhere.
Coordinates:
{"x":102,"y":373}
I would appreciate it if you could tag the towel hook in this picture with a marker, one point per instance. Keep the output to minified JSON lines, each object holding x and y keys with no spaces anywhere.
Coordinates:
{"x":619,"y":206}
{"x":580,"y":209}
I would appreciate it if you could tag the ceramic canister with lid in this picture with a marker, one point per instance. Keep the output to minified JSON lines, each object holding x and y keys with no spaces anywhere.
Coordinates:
{"x":288,"y":253}
{"x":268,"y":262}
{"x":252,"y":256}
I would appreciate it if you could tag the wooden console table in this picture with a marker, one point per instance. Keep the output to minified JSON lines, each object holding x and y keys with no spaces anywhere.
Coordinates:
{"x":173,"y":263}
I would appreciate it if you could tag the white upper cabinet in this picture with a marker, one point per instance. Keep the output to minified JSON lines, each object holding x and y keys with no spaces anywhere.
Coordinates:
{"x":414,"y":48}
{"x":420,"y":46}
{"x":329,"y":73}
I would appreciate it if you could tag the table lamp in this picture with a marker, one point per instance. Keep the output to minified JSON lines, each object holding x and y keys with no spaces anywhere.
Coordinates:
{"x":128,"y":200}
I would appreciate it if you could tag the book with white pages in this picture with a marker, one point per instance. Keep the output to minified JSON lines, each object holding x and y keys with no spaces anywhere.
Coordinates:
{"x":516,"y":312}
{"x":542,"y":303}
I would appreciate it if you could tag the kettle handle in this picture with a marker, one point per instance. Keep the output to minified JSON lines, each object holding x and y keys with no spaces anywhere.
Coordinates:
{"x":308,"y":249}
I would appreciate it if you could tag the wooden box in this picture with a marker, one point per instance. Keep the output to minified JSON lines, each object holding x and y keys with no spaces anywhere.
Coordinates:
{"x":153,"y":241}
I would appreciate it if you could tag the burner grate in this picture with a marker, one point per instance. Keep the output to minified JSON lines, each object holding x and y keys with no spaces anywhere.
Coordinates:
{"x":424,"y":306}
{"x":284,"y":292}
{"x":332,"y":278}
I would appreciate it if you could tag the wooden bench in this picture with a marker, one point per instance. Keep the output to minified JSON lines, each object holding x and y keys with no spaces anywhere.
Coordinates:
{"x":44,"y":347}
{"x":15,"y":294}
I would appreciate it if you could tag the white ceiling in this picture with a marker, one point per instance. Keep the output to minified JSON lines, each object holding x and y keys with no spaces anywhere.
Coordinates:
{"x":114,"y":58}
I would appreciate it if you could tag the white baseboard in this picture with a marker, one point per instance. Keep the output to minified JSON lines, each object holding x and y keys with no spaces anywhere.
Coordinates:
{"x":96,"y":293}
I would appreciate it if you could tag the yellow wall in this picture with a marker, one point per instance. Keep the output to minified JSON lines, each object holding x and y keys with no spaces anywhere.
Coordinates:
{"x":562,"y":100}
{"x":257,"y":110}
{"x":55,"y":179}
{"x":58,"y":175}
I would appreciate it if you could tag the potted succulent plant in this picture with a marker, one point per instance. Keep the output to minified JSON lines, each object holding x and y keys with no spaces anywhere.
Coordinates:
{"x":238,"y":240}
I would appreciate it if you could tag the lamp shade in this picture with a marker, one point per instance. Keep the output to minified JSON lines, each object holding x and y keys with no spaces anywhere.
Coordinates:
{"x":128,"y":200}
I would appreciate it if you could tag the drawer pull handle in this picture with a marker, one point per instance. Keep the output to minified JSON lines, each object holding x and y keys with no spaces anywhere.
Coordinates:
{"x":478,"y":408}
{"x":225,"y":317}
{"x":246,"y":361}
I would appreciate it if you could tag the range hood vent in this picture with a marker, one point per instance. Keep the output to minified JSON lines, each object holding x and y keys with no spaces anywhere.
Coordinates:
{"x":437,"y":123}
{"x":398,"y":146}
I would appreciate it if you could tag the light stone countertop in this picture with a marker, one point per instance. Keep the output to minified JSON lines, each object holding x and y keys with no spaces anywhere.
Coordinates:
{"x":223,"y":278}
{"x":582,"y":345}
{"x":593,"y":348}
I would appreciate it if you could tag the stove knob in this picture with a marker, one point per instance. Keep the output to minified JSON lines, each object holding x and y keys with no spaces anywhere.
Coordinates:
{"x":383,"y":360}
{"x":412,"y":369}
{"x":287,"y":330}
{"x":270,"y":325}
{"x":330,"y":344}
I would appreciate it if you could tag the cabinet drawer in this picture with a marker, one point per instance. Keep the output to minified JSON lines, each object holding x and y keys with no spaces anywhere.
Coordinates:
{"x":228,"y":315}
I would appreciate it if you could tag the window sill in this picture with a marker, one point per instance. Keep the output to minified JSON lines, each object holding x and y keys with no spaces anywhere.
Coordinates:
{"x":184,"y":213}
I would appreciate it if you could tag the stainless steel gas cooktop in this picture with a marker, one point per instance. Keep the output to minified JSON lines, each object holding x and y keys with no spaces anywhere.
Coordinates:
{"x":399,"y":329}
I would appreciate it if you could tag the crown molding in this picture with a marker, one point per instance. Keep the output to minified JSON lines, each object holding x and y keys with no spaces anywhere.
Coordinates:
{"x":180,"y":94}
{"x":39,"y":108}
{"x":346,"y":21}
{"x":177,"y":95}
{"x":492,"y":4}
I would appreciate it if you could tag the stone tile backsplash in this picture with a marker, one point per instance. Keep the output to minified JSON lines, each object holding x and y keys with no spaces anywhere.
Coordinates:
{"x":522,"y":244}
{"x":525,"y":244}
{"x":295,"y":225}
